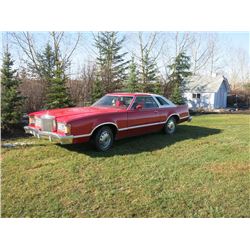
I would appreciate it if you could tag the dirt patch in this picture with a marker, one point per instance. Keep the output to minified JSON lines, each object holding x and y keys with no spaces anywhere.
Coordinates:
{"x":229,"y":168}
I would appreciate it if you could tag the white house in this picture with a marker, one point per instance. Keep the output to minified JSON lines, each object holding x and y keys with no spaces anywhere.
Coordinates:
{"x":207,"y":92}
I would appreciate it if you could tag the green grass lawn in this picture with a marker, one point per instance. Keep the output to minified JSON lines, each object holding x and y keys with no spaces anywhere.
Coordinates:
{"x":201,"y":171}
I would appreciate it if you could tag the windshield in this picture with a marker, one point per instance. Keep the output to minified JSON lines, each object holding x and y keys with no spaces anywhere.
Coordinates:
{"x":113,"y":101}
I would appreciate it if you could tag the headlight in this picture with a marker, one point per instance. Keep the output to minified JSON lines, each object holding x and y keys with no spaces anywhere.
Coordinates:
{"x":61,"y":126}
{"x":38,"y":122}
{"x":65,"y":128}
{"x":32,"y":120}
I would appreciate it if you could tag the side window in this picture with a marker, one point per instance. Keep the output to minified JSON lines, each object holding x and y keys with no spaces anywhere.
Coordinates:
{"x":145,"y":101}
{"x":150,"y":102}
{"x":161,"y":101}
{"x":139,"y":101}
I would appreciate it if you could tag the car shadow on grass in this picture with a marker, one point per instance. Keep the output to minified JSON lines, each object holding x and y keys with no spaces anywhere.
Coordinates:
{"x":145,"y":143}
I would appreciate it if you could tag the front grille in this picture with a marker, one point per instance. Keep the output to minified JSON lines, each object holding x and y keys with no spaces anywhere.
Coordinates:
{"x":47,"y":123}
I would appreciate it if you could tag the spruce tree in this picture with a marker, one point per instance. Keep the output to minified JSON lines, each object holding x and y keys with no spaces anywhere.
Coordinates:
{"x":97,"y":91}
{"x":111,"y":63}
{"x":176,"y":95}
{"x":57,"y":95}
{"x":52,"y":71}
{"x":179,"y":70}
{"x":11,"y":99}
{"x":150,"y":69}
{"x":133,"y":81}
{"x":46,"y":63}
{"x":148,"y":72}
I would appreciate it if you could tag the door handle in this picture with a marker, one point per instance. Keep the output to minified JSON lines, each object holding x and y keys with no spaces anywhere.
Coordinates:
{"x":156,"y":111}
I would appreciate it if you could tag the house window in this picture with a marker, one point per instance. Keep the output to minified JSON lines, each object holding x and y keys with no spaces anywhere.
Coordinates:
{"x":196,"y":96}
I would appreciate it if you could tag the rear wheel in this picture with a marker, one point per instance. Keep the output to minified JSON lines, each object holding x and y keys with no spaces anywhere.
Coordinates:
{"x":170,"y":126}
{"x":103,"y":138}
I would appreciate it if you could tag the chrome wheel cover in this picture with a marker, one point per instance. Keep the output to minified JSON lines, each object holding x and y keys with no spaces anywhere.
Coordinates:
{"x":104,"y":139}
{"x":171,"y":126}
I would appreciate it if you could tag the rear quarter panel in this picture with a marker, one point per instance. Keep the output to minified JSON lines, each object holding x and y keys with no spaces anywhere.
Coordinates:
{"x":181,"y":111}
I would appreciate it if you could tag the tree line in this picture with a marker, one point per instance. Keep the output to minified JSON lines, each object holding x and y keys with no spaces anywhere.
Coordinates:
{"x":45,"y":81}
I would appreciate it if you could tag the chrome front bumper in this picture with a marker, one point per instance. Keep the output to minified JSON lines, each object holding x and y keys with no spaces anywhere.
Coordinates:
{"x":63,"y":139}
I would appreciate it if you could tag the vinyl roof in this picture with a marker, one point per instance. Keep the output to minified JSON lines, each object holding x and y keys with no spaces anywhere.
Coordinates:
{"x":128,"y":94}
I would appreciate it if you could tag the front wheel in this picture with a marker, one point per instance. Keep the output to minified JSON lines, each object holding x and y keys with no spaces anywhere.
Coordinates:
{"x":170,"y":126}
{"x":103,"y":138}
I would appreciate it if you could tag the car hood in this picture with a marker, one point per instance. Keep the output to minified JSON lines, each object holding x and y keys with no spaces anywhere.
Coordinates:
{"x":68,"y":114}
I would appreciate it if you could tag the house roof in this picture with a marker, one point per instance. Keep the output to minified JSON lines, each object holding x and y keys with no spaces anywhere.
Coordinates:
{"x":205,"y":84}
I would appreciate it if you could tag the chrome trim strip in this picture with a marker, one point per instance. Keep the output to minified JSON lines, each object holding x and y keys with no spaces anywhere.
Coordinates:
{"x":173,"y":115}
{"x":133,"y":127}
{"x":104,"y":123}
{"x":184,"y":117}
{"x":142,"y":126}
{"x":87,"y":135}
{"x":152,"y":124}
{"x":83,"y":135}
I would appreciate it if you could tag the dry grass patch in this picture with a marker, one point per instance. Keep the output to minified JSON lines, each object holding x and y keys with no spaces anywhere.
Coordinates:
{"x":227,"y":168}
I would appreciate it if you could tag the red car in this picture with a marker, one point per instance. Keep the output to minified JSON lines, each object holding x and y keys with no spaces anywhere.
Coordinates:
{"x":114,"y":116}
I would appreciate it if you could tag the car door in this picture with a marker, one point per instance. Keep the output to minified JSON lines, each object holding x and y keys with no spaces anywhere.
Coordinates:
{"x":148,"y":114}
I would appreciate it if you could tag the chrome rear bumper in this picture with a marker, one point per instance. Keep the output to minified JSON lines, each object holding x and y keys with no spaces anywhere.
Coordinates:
{"x":63,"y":139}
{"x":190,"y":118}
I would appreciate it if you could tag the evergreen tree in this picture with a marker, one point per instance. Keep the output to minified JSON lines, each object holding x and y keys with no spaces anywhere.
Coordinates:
{"x":52,"y":71}
{"x":57,"y":95}
{"x":11,"y":99}
{"x":150,"y":69}
{"x":133,"y":81}
{"x":111,"y":65}
{"x":97,"y":91}
{"x":180,"y":69}
{"x":148,"y":72}
{"x":176,"y":95}
{"x":46,"y":63}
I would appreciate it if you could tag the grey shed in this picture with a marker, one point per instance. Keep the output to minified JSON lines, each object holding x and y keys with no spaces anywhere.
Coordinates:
{"x":206,"y":92}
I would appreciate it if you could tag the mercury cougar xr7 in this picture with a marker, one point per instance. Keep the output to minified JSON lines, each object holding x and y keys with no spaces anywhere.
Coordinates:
{"x":114,"y":116}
